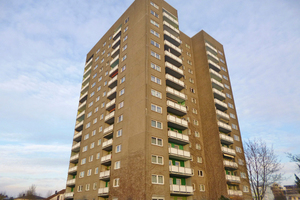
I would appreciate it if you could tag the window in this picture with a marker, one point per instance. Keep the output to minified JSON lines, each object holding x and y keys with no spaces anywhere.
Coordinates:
{"x":190,"y":71}
{"x":95,"y":121}
{"x":238,"y":149}
{"x":228,"y":95}
{"x":154,"y":5}
{"x":105,"y":83}
{"x":155,"y":44}
{"x":120,"y":118}
{"x":108,"y":54}
{"x":195,"y":111}
{"x":220,"y":52}
{"x":225,"y":77}
{"x":156,"y":108}
{"x":118,"y":148}
{"x":98,"y":51}
{"x":89,"y":114}
{"x":227,"y":86}
{"x":156,"y":80}
{"x":200,"y":173}
{"x":154,"y":23}
{"x":245,"y":188}
{"x":79,"y":189}
{"x":125,"y":38}
{"x":100,"y":129}
{"x":156,"y":124}
{"x":199,"y":159}
{"x":102,"y":60}
{"x":126,"y":20}
{"x":156,"y":67}
{"x":189,"y":62}
{"x":222,"y":60}
{"x":123,"y":68}
{"x":88,"y":125}
{"x":89,"y":172}
{"x":194,"y":100}
{"x":187,"y":46}
{"x":98,"y":156}
{"x":98,"y":98}
{"x":157,"y":160}
{"x":93,"y":132}
{"x":103,"y":52}
{"x":236,"y":138}
{"x":100,"y":78}
{"x":121,"y":105}
{"x":102,"y":115}
{"x":154,"y":33}
{"x":117,"y":165}
{"x":196,"y":122}
{"x":241,"y":162}
{"x":94,"y":75}
{"x":122,"y":80}
{"x":157,"y":179}
{"x":104,"y":43}
{"x":92,"y":145}
{"x":154,"y":13}
{"x":81,"y":174}
{"x":99,"y":142}
{"x":109,"y":44}
{"x":156,"y":93}
{"x":198,"y":146}
{"x":202,"y":187}
{"x":116,"y":182}
{"x":91,"y":158}
{"x":83,"y":161}
{"x":230,"y":105}
{"x":191,"y":80}
{"x":119,"y":132}
{"x":126,"y":28}
{"x":84,"y":148}
{"x":124,"y":47}
{"x":86,"y":136}
{"x":192,"y":90}
{"x":122,"y":92}
{"x":197,"y":134}
{"x":102,"y":104}
{"x":243,"y":175}
{"x":92,"y":94}
{"x":156,"y":55}
{"x":97,"y":59}
{"x":224,"y":69}
{"x":232,"y":115}
{"x":234,"y":126}
{"x":95,"y":186}
{"x":156,"y":141}
{"x":90,"y":104}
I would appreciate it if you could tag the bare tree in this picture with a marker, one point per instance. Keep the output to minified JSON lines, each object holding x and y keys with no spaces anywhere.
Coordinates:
{"x":296,"y":158}
{"x":30,"y":192}
{"x":263,"y":167}
{"x":2,"y":195}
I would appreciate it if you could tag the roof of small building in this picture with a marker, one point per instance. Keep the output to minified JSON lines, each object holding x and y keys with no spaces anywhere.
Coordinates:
{"x":55,"y":194}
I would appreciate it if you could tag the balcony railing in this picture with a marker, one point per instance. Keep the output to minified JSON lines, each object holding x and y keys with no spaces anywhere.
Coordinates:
{"x":115,"y":52}
{"x":114,"y":60}
{"x":72,"y":170}
{"x":103,"y":191}
{"x":69,"y":195}
{"x":171,"y":58}
{"x":77,"y":136}
{"x":218,"y":94}
{"x":71,"y":182}
{"x":234,"y":179}
{"x":222,"y":115}
{"x":85,"y":88}
{"x":107,"y":145}
{"x":110,"y":118}
{"x":179,"y":154}
{"x":228,"y":151}
{"x":170,"y":18}
{"x":74,"y":159}
{"x":111,"y":105}
{"x":235,"y":193}
{"x":171,"y":38}
{"x":214,"y":66}
{"x":220,"y":105}
{"x":87,"y":71}
{"x":86,"y":80}
{"x":212,"y":57}
{"x":83,"y":97}
{"x":88,"y":63}
{"x":105,"y":160}
{"x":113,"y":82}
{"x":113,"y":71}
{"x":215,"y":75}
{"x":112,"y":93}
{"x":173,"y":49}
{"x":81,"y":107}
{"x":108,"y":130}
{"x":178,"y":137}
{"x":116,"y":43}
{"x":76,"y":147}
{"x":171,"y":29}
{"x":182,"y":171}
{"x":79,"y":126}
{"x":224,"y":127}
{"x":174,"y":94}
{"x":174,"y":82}
{"x":116,"y":33}
{"x":230,"y":164}
{"x":211,"y":47}
{"x":173,"y":70}
{"x":80,"y":115}
{"x":177,"y":123}
{"x":176,"y":108}
{"x":225,"y":139}
{"x":104,"y":175}
{"x":181,"y":189}
{"x":217,"y":85}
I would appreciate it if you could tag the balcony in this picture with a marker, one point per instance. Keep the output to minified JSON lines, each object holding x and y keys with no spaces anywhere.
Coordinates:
{"x":171,"y":38}
{"x":218,"y":94}
{"x":69,"y":195}
{"x":74,"y":159}
{"x":76,"y":147}
{"x":179,"y":154}
{"x":113,"y":82}
{"x":171,"y":58}
{"x":86,"y":80}
{"x":80,"y":115}
{"x":116,"y":43}
{"x":107,"y":145}
{"x":170,"y":19}
{"x":222,"y":115}
{"x":117,"y":33}
{"x":111,"y":105}
{"x":177,"y":123}
{"x":180,"y":171}
{"x":113,"y":72}
{"x":181,"y":190}
{"x":107,"y":133}
{"x":229,"y":151}
{"x":115,"y":52}
{"x":72,"y":170}
{"x":77,"y":137}
{"x":85,"y":88}
{"x":217,"y":85}
{"x":174,"y":82}
{"x":71,"y":182}
{"x":176,"y":108}
{"x":215,"y":75}
{"x":81,"y":107}
{"x":110,"y":118}
{"x":225,"y":139}
{"x":87,"y":71}
{"x":174,"y":94}
{"x":220,"y":105}
{"x":213,"y":49}
{"x":104,"y":175}
{"x":212,"y":57}
{"x":233,"y":179}
{"x":178,"y":138}
{"x":79,"y":126}
{"x":173,"y":70}
{"x":112,"y":93}
{"x":106,"y":160}
{"x":83,"y":97}
{"x":114,"y":62}
{"x":88,"y":63}
{"x":214,"y":66}
{"x":102,"y":192}
{"x":224,"y":127}
{"x":172,"y":48}
{"x":171,"y":29}
{"x":235,"y":193}
{"x":230,"y":164}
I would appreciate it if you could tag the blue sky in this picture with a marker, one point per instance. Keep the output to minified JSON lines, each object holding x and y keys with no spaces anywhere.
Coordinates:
{"x":43,"y":49}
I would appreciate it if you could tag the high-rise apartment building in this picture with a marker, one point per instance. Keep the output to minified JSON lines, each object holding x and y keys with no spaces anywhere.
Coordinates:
{"x":156,"y":117}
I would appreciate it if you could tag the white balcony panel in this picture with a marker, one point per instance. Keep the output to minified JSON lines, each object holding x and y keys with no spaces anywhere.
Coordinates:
{"x":176,"y":122}
{"x":174,"y":82}
{"x":103,"y":191}
{"x":211,"y":47}
{"x":108,"y":129}
{"x":178,"y":137}
{"x":72,"y":170}
{"x":77,"y":136}
{"x":115,"y":52}
{"x":116,"y":41}
{"x":173,"y":70}
{"x":170,"y":18}
{"x":83,"y":97}
{"x":109,"y":116}
{"x":171,"y":58}
{"x":88,"y":70}
{"x":113,"y":60}
{"x":71,"y":182}
{"x":112,"y":93}
{"x":113,"y":82}
{"x":235,"y":193}
{"x":230,"y":164}
{"x":85,"y":87}
{"x":104,"y":175}
{"x":224,"y":127}
{"x":106,"y":158}
{"x":216,"y":84}
{"x":74,"y":158}
{"x":176,"y":108}
{"x":218,"y":94}
{"x":69,"y":195}
{"x":179,"y":154}
{"x":220,"y":105}
{"x":214,"y":66}
{"x":117,"y":32}
{"x":171,"y":29}
{"x":78,"y":125}
{"x":86,"y":79}
{"x":212,"y":55}
{"x":113,"y":71}
{"x":185,"y":171}
{"x":82,"y":106}
{"x":181,"y":189}
{"x":111,"y":105}
{"x":228,"y":151}
{"x":222,"y":115}
{"x":173,"y":49}
{"x":76,"y":147}
{"x":226,"y":139}
{"x":175,"y":40}
{"x":80,"y":114}
{"x":174,"y":94}
{"x":88,"y":63}
{"x":232,"y":178}
{"x":107,"y":145}
{"x":215,"y":75}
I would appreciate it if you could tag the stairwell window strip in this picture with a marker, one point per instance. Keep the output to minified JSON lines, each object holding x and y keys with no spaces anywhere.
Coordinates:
{"x":157,"y":160}
{"x":156,"y":80}
{"x":156,"y":124}
{"x":154,"y":23}
{"x":155,"y":67}
{"x":154,"y":13}
{"x":156,"y":141}
{"x":156,"y":93}
{"x":156,"y":108}
{"x":154,"y":5}
{"x":157,"y":179}
{"x":156,"y":55}
{"x":155,"y":44}
{"x":155,"y":33}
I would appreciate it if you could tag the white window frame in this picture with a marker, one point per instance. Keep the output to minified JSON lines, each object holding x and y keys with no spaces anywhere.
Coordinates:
{"x":118,"y":148}
{"x":155,"y":67}
{"x":156,"y":108}
{"x":116,"y":182}
{"x":157,"y":179}
{"x":156,"y":93}
{"x":156,"y":159}
{"x":157,"y":141}
{"x":158,"y":124}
